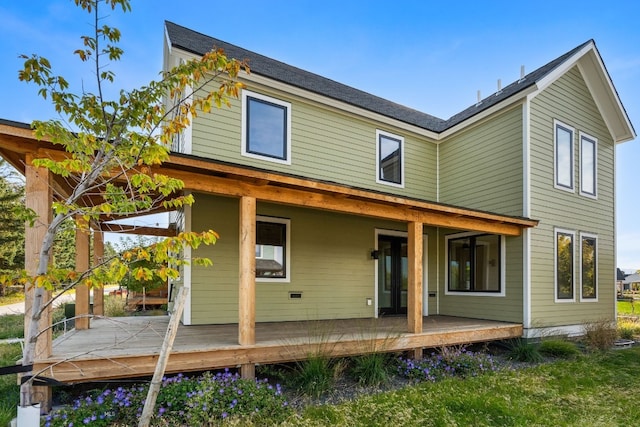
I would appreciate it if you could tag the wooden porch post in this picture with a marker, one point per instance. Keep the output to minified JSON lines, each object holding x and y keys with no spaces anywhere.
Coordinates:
{"x":247,"y":279}
{"x":82,"y":291}
{"x":414,"y":298}
{"x":98,"y":253}
{"x":38,"y":196}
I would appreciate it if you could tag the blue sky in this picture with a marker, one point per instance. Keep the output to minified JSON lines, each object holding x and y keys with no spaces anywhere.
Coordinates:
{"x":428,"y":55}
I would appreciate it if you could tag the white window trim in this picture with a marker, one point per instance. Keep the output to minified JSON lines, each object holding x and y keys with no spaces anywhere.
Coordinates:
{"x":379,"y":179}
{"x":243,"y":141}
{"x":591,"y":236}
{"x":582,"y":136}
{"x":556,"y":124}
{"x":557,"y":231}
{"x":503,"y":276}
{"x":287,"y":254}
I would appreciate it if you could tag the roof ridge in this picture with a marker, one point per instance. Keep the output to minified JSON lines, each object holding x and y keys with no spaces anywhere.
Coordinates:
{"x":183,"y":38}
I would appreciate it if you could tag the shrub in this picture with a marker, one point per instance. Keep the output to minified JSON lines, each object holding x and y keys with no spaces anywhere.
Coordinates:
{"x":115,"y":306}
{"x":317,"y":374}
{"x":600,"y":335}
{"x":523,"y":350}
{"x":226,"y":395}
{"x":450,"y":362}
{"x":628,"y":329}
{"x":371,"y":369}
{"x":558,"y":348}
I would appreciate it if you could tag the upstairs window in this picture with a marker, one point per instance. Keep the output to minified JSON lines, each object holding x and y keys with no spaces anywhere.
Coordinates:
{"x":390,"y":159}
{"x":266,"y":128}
{"x":564,"y":156}
{"x":272,"y":249}
{"x":564,"y":265}
{"x":588,"y":165}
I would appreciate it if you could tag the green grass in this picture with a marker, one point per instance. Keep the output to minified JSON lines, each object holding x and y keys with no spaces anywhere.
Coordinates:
{"x":9,"y":395}
{"x":625,"y":308}
{"x":597,"y":390}
{"x":11,"y":326}
{"x":12,"y":298}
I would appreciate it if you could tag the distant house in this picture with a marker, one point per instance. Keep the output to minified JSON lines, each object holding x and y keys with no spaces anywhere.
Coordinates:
{"x":631,"y":282}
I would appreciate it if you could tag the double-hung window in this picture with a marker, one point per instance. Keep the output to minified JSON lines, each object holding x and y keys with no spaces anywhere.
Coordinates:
{"x":564,"y":156}
{"x":589,"y":266}
{"x":564,"y":265}
{"x":588,"y":165}
{"x":266,"y":128}
{"x":390,"y":159}
{"x":273,"y":250}
{"x":475,"y":264}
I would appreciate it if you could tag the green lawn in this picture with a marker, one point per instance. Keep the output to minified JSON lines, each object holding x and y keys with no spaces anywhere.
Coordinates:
{"x":595,"y":390}
{"x":627,"y":308}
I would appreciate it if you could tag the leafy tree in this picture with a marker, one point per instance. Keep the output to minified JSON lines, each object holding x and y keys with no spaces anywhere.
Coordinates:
{"x":111,"y":147}
{"x":11,"y":225}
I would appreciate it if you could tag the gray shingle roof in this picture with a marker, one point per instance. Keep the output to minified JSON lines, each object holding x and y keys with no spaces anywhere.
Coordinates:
{"x":198,"y":43}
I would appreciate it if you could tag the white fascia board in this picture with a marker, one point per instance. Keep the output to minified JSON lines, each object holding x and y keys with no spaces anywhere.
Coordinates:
{"x":606,"y":97}
{"x":561,"y":69}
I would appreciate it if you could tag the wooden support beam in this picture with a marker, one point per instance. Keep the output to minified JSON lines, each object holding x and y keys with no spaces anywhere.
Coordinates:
{"x":247,"y":283}
{"x":38,"y":198}
{"x":82,"y":291}
{"x":414,"y":297}
{"x":98,"y":254}
{"x":138,"y":230}
{"x":489,"y":223}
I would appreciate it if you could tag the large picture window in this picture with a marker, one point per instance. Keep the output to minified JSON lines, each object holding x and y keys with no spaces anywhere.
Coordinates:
{"x":475,"y":263}
{"x":272,"y":249}
{"x":266,"y":128}
{"x":588,"y":165}
{"x":564,"y":265}
{"x":589,"y":266}
{"x":564,"y":156}
{"x":390,"y":159}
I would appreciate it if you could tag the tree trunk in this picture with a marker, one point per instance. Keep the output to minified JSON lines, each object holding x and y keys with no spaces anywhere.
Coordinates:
{"x":167,"y":345}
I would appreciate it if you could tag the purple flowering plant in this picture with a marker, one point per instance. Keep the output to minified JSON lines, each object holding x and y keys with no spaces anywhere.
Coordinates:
{"x":449,"y":362}
{"x":182,"y":400}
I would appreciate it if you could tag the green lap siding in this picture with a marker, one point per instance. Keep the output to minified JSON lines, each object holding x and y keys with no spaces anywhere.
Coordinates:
{"x":327,"y":145}
{"x":481,"y":168}
{"x":569,"y":210}
{"x":331,"y":265}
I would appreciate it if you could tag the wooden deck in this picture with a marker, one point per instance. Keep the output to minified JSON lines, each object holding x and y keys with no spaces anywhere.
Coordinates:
{"x":128,"y":347}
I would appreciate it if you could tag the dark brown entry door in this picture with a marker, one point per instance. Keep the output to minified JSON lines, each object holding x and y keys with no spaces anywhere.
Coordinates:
{"x":393,"y":275}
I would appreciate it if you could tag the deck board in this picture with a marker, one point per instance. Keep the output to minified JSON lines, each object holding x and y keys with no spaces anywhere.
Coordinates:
{"x":128,"y":347}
